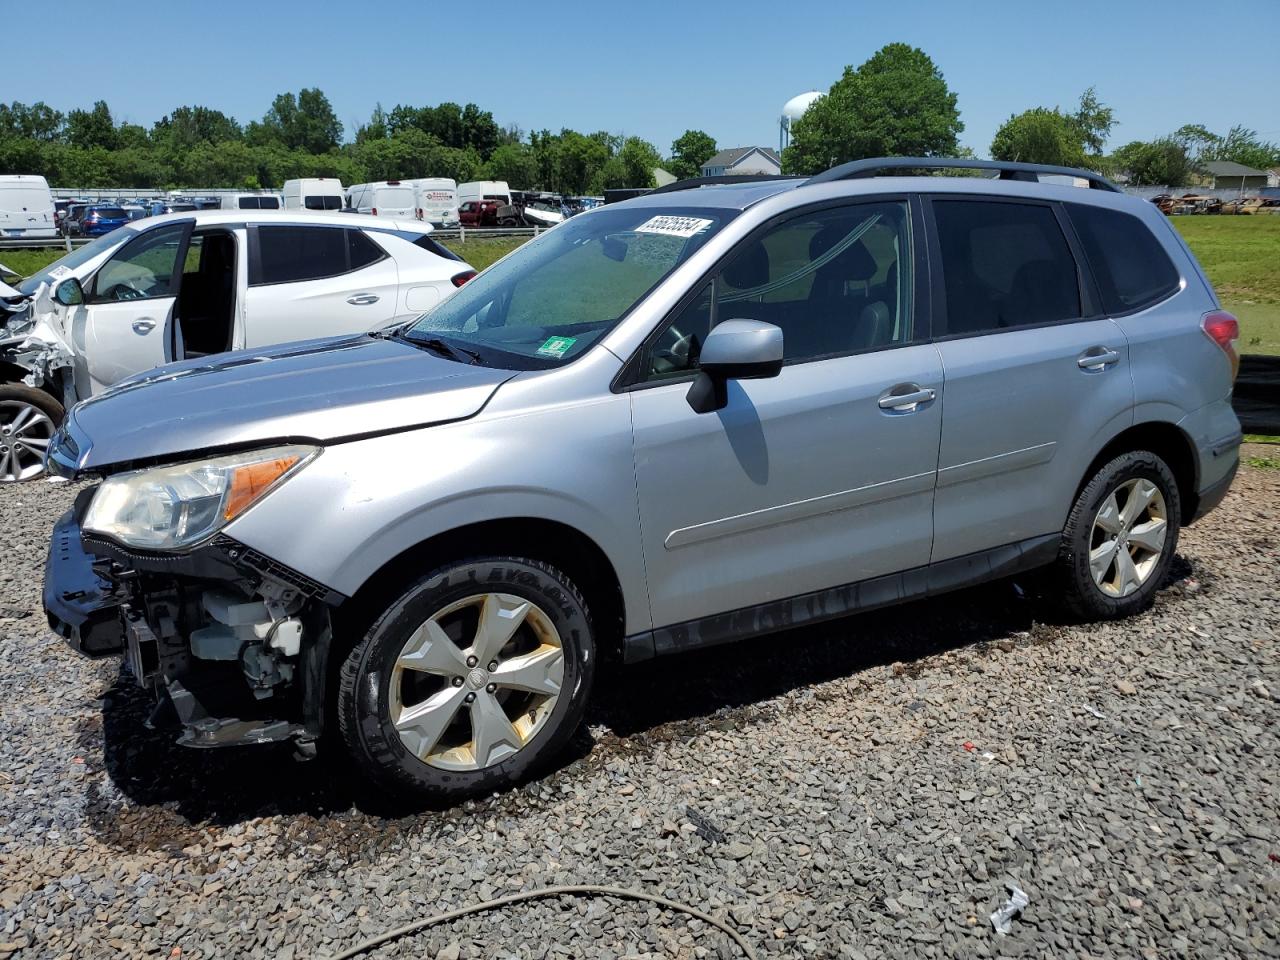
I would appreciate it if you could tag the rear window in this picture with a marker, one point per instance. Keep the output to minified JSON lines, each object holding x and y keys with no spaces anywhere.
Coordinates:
{"x":289,"y":254}
{"x":1004,"y":265}
{"x":439,"y":249}
{"x":110,"y":213}
{"x":259,"y":203}
{"x":1131,"y":267}
{"x":394,"y":197}
{"x":322,"y":203}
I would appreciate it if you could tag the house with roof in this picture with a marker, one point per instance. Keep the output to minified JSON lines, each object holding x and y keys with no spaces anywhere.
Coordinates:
{"x":743,"y":160}
{"x":1229,"y":175}
{"x":1273,"y":177}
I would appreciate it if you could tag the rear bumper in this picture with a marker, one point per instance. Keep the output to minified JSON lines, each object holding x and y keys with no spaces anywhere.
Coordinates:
{"x":1213,"y":495}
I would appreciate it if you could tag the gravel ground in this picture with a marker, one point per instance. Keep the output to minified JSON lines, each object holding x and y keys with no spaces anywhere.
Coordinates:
{"x":863,"y":789}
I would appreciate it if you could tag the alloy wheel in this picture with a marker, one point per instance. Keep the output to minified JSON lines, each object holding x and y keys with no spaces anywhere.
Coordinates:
{"x":476,"y":682}
{"x":25,"y":432}
{"x":1128,"y":537}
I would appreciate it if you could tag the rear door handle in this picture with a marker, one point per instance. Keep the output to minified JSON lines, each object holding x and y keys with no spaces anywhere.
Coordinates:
{"x":360,"y":299}
{"x":906,"y":397}
{"x":144,"y":325}
{"x":1097,"y":358}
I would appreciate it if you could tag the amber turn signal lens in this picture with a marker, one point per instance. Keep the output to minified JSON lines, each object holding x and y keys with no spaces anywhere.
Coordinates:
{"x":251,"y":481}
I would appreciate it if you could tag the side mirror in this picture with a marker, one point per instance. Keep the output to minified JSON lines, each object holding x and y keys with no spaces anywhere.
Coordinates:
{"x":69,"y":293}
{"x":734,"y":350}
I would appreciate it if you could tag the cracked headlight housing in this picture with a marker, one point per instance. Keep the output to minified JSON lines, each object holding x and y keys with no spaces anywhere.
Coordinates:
{"x":169,"y":508}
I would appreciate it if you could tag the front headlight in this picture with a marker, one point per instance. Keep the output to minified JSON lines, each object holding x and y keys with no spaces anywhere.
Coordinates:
{"x":170,"y":507}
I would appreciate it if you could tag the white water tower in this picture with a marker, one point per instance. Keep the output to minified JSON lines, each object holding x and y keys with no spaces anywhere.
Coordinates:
{"x":792,"y":111}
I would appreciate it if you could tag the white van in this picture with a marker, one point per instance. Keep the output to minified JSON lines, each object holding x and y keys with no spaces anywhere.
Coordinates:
{"x":26,"y":208}
{"x":314,"y":193}
{"x":437,"y":201}
{"x":484,"y":190}
{"x":385,"y":198}
{"x":251,"y":201}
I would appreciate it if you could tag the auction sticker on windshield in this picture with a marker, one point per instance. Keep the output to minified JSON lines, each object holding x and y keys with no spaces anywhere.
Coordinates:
{"x":557,"y":346}
{"x":674,"y":226}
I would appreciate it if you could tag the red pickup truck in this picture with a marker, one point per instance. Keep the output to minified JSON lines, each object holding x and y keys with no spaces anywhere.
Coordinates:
{"x":479,"y":213}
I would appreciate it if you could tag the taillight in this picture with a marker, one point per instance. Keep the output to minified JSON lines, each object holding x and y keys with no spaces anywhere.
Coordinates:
{"x":419,"y":213}
{"x":1224,"y":330}
{"x":460,"y":278}
{"x":375,"y":211}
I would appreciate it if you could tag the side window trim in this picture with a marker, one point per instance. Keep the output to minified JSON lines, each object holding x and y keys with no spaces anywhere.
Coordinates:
{"x":631,"y":376}
{"x":1087,"y":291}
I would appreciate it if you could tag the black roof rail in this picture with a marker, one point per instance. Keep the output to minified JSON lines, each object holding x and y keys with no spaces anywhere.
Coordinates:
{"x":724,"y":178}
{"x":1004,"y":169}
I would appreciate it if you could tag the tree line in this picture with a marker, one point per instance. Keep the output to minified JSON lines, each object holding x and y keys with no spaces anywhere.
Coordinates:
{"x":300,"y":136}
{"x":897,"y":103}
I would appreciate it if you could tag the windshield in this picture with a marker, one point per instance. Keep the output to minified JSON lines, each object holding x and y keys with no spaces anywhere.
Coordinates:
{"x":548,"y":302}
{"x":62,"y":268}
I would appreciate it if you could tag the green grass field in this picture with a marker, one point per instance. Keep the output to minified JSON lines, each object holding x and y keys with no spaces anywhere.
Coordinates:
{"x":1241,"y":255}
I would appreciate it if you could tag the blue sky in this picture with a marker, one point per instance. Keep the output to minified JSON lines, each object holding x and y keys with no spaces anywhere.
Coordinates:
{"x":657,"y":68}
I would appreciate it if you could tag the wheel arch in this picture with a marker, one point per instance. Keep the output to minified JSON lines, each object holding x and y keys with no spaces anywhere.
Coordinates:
{"x":537,"y":538}
{"x":1171,"y":444}
{"x":13,"y":373}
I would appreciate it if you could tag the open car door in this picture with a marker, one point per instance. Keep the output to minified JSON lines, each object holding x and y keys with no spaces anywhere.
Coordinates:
{"x":125,"y":325}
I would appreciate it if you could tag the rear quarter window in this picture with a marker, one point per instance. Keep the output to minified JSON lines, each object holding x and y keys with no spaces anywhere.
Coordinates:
{"x":1131,"y":267}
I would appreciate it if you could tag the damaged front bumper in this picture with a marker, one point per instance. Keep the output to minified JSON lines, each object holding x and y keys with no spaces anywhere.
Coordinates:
{"x":33,"y":340}
{"x":236,"y":644}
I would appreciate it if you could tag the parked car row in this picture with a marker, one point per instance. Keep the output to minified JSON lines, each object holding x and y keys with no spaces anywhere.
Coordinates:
{"x":1192,"y":203}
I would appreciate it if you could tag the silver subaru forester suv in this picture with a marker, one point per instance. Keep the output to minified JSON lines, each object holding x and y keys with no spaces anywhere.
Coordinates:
{"x":714,"y":411}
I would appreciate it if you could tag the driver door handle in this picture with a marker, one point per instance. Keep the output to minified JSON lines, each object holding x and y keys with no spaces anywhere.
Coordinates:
{"x":144,"y":325}
{"x":906,"y":398}
{"x":1097,"y":358}
{"x":360,"y":299}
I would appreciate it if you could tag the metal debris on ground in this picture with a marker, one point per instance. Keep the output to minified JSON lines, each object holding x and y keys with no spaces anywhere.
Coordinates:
{"x":1002,"y":919}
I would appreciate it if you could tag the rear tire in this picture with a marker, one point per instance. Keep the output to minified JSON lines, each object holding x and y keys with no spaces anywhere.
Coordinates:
{"x":1120,"y":538}
{"x":419,"y":708}
{"x":28,"y":419}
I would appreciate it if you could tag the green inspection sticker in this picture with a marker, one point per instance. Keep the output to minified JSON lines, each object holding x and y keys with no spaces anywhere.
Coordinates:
{"x":556,"y":346}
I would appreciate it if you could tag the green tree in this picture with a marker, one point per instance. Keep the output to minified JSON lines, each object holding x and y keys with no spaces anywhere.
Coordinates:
{"x":305,"y":122}
{"x":1040,"y":135}
{"x":895,"y":104}
{"x":1242,"y":145}
{"x":187,"y":126}
{"x":1197,"y":140}
{"x":689,"y":152}
{"x":514,"y":163}
{"x":1162,"y":162}
{"x":1093,"y":120}
{"x":92,"y":128}
{"x":38,"y":122}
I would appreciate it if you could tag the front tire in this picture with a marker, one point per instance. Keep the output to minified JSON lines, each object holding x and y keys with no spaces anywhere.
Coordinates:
{"x":28,"y":419}
{"x":1120,"y":538}
{"x":473,"y":680}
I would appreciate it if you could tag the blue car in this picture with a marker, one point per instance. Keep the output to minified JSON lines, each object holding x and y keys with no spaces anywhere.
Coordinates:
{"x":99,"y":220}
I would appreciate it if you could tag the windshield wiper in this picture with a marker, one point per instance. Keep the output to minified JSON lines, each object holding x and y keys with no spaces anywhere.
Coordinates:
{"x":436,"y":345}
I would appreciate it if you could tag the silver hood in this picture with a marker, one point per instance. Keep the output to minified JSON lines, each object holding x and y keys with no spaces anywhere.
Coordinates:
{"x":322,"y":390}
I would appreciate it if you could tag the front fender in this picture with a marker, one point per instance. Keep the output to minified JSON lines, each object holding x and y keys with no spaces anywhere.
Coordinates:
{"x":361,"y":504}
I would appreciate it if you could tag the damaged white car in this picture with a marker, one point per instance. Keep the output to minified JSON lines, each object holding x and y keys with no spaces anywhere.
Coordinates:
{"x":190,"y":285}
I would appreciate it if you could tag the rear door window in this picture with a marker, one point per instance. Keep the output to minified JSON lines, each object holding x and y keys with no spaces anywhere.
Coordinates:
{"x":1004,"y":265}
{"x":290,"y":254}
{"x":322,"y":203}
{"x":1131,"y":267}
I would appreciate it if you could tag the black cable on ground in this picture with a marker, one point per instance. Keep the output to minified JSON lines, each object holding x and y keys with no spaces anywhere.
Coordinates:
{"x":588,"y":890}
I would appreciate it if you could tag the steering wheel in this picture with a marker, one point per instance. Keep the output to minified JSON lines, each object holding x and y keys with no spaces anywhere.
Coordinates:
{"x":673,"y":351}
{"x":125,"y":291}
